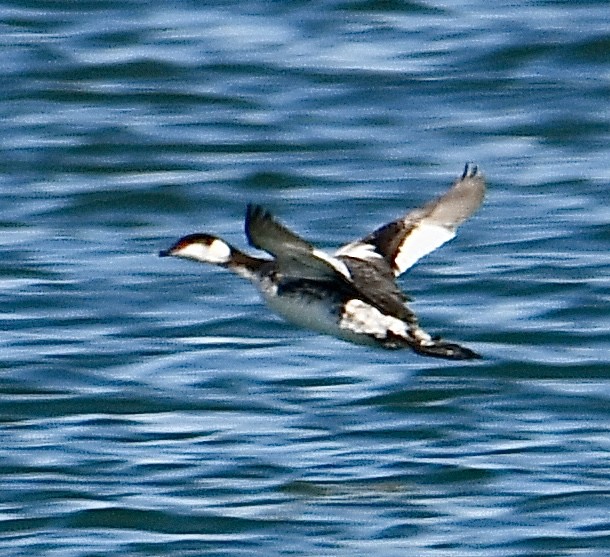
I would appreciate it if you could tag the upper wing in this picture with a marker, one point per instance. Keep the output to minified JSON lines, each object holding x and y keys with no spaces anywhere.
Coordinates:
{"x":295,"y":256}
{"x":379,"y":287}
{"x":404,"y":241}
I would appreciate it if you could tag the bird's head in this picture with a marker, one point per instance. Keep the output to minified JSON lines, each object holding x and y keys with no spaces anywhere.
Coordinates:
{"x":200,"y":247}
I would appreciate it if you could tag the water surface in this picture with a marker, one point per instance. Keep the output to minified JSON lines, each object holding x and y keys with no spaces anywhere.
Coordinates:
{"x":155,"y":407}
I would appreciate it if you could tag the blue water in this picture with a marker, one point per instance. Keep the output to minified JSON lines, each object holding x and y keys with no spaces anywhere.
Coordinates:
{"x":155,"y":407}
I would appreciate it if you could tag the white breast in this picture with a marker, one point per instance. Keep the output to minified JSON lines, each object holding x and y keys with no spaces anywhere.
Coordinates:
{"x":307,"y":312}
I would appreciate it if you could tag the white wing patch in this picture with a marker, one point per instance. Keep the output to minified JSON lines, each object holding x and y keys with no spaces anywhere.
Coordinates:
{"x":359,"y":250}
{"x":423,"y":239}
{"x":335,"y":263}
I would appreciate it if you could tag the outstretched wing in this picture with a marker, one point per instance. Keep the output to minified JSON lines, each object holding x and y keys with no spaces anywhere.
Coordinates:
{"x":406,"y":240}
{"x":298,"y":259}
{"x":295,"y":256}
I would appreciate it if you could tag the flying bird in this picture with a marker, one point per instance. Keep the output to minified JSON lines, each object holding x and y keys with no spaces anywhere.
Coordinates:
{"x":351,"y":294}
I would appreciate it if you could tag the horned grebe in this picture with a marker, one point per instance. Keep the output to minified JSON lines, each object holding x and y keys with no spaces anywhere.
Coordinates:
{"x":351,"y":294}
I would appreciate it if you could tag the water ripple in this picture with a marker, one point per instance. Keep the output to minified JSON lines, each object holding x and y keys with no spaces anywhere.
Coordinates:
{"x":156,"y":407}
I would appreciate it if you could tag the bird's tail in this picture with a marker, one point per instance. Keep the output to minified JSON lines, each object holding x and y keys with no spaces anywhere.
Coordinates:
{"x":422,"y":343}
{"x":438,"y":348}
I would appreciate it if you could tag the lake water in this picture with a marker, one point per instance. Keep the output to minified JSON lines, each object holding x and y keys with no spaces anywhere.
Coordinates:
{"x":155,"y":407}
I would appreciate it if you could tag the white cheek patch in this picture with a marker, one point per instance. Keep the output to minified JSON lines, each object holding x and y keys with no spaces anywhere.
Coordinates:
{"x":217,"y":252}
{"x":422,"y":240}
{"x":362,"y":318}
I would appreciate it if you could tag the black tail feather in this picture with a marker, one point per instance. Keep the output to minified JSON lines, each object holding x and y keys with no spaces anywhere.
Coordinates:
{"x":446,"y":350}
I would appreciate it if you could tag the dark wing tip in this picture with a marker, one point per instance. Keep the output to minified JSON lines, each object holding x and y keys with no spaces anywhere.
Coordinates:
{"x":254,"y":213}
{"x":470,"y":170}
{"x":251,"y":211}
{"x":264,"y":232}
{"x":257,"y":212}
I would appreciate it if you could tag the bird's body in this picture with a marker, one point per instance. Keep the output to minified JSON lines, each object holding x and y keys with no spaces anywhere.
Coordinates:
{"x":351,"y":294}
